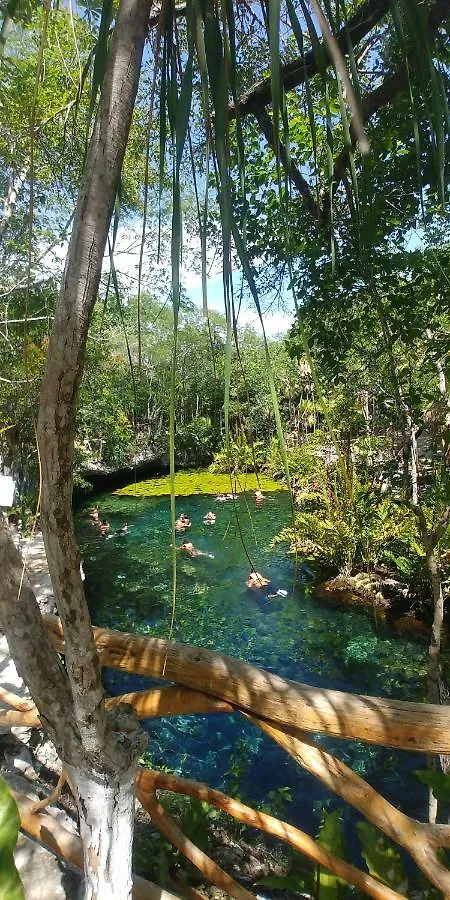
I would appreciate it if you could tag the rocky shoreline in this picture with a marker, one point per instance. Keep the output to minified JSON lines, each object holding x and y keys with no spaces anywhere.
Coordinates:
{"x":380,"y":593}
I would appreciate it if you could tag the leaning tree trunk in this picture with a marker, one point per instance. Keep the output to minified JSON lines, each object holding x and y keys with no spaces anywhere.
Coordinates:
{"x":103,"y":780}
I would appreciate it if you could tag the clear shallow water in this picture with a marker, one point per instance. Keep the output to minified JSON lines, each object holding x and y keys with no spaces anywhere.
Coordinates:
{"x":128,"y":584}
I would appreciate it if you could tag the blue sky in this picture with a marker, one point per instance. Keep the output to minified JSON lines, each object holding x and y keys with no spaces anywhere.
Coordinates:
{"x":276,"y":321}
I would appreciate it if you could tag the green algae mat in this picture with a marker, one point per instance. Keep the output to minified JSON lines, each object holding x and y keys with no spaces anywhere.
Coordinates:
{"x":201,"y":481}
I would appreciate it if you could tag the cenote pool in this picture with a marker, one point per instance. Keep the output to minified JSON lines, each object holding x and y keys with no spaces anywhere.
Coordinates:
{"x":128,"y":583}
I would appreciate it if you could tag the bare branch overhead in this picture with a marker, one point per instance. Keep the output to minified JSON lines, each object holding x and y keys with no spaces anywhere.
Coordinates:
{"x":296,"y":72}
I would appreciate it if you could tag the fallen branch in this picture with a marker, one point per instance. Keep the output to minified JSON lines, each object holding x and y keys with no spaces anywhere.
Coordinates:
{"x":170,"y":701}
{"x":149,"y":780}
{"x":16,"y":719}
{"x":53,"y":797}
{"x":151,"y":704}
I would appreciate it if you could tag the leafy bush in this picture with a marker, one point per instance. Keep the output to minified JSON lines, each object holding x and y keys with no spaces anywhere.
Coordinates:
{"x":347,"y":524}
{"x":241,"y":457}
{"x":196,"y":442}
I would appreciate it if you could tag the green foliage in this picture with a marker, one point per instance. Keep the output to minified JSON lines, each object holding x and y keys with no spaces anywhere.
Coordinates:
{"x":331,"y":837}
{"x":303,"y":875}
{"x":346,"y":523}
{"x":195,"y":821}
{"x":276,"y":802}
{"x":438,"y":781}
{"x":382,"y":857}
{"x":240,"y":760}
{"x":11,"y":887}
{"x":196,"y":441}
{"x":360,"y":651}
{"x":240,"y":457}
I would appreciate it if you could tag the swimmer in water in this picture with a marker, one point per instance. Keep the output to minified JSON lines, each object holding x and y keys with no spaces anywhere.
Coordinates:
{"x":259,"y":497}
{"x":182,"y":522}
{"x":256,"y":581}
{"x":104,"y":526}
{"x":123,"y":528}
{"x":210,"y":518}
{"x":192,"y":551}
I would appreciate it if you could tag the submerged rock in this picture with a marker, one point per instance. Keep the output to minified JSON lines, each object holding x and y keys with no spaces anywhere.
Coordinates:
{"x":355,"y":590}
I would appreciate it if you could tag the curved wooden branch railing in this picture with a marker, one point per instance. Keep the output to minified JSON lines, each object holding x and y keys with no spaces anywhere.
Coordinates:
{"x":148,"y":781}
{"x":391,"y":723}
{"x":209,"y":682}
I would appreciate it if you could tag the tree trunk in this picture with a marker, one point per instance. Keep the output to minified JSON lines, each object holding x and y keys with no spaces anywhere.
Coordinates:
{"x":106,"y":812}
{"x":414,"y":461}
{"x":434,"y":650}
{"x":111,"y":743}
{"x":10,"y":201}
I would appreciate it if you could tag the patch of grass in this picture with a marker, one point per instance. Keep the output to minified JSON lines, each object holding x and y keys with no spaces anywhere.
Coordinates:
{"x":201,"y":481}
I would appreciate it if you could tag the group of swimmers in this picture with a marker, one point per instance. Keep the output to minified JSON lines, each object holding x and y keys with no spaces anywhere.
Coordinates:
{"x":103,"y":525}
{"x":226,"y":498}
{"x":255,"y":580}
{"x":183,"y":522}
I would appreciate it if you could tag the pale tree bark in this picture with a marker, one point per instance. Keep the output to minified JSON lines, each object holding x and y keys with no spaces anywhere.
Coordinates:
{"x":64,"y":366}
{"x":9,"y":201}
{"x":101,"y":755}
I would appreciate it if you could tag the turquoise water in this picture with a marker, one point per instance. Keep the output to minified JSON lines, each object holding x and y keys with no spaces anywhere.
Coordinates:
{"x":128,"y":584}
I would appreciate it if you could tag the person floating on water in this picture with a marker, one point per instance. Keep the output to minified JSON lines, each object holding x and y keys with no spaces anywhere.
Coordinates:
{"x":189,"y":548}
{"x":123,"y":528}
{"x":210,"y":518}
{"x":257,"y":581}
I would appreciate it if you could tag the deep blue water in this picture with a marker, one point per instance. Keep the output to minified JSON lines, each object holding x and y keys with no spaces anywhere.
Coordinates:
{"x":128,"y":583}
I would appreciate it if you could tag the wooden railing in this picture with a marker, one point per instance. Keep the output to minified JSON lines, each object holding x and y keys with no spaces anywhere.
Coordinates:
{"x":288,"y":712}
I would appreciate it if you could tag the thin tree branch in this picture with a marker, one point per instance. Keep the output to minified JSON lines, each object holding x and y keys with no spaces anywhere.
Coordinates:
{"x":390,"y":87}
{"x":148,"y":780}
{"x":299,"y":70}
{"x":266,"y":125}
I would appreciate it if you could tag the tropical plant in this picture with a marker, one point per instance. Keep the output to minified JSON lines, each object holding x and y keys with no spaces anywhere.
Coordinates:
{"x":11,"y":887}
